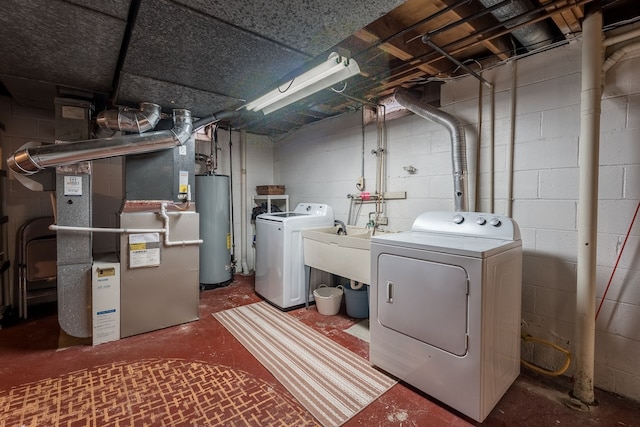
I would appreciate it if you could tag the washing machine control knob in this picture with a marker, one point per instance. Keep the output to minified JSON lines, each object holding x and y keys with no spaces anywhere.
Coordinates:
{"x":481,"y":221}
{"x":495,"y":222}
{"x":458,"y":219}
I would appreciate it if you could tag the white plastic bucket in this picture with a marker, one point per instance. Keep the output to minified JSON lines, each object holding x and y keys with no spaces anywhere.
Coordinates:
{"x":328,"y":299}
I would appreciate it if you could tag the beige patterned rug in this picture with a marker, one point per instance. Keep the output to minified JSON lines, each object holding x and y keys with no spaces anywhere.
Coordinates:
{"x":332,"y":382}
{"x":155,"y":392}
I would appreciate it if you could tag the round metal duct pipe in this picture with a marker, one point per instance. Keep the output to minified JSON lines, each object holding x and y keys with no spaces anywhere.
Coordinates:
{"x":458,"y":142}
{"x":27,"y":161}
{"x":129,"y":119}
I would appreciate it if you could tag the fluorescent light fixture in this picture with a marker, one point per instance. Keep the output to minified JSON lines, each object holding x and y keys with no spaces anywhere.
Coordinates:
{"x":333,"y":70}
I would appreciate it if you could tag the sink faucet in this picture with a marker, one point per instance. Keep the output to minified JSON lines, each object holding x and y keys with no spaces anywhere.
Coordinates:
{"x":342,"y":229}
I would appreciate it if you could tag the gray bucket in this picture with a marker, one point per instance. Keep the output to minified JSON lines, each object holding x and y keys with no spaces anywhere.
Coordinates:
{"x":357,"y":301}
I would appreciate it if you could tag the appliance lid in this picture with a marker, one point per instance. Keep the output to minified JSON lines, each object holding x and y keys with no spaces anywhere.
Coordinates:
{"x":284,"y":214}
{"x":463,"y":245}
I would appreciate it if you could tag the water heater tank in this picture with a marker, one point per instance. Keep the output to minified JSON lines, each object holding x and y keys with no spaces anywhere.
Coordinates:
{"x":213,"y":205}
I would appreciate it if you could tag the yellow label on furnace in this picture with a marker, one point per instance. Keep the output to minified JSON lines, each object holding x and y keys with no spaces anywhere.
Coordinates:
{"x":137,"y":246}
{"x":228,"y":240}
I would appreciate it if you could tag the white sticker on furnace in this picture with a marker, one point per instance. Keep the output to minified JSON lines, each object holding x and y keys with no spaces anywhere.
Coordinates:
{"x":144,"y":250}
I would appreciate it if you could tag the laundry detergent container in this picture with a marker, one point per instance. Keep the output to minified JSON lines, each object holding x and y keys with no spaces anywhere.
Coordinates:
{"x":328,"y":299}
{"x":357,"y":300}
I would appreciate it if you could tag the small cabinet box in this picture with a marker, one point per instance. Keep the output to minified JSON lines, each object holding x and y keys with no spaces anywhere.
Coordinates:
{"x":270,"y":190}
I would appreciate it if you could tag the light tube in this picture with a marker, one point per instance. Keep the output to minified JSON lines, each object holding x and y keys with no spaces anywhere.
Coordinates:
{"x":332,"y":71}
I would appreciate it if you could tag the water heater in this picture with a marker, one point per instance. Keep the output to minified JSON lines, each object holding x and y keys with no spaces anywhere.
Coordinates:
{"x":213,"y":205}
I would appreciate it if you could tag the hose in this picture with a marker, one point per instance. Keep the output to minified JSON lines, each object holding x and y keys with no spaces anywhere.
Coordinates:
{"x":543,"y":371}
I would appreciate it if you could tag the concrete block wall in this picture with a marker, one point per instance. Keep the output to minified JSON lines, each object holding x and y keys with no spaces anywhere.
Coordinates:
{"x":322,"y":163}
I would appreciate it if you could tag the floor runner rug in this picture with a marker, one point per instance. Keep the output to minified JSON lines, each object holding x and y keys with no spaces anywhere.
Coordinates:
{"x":332,"y":382}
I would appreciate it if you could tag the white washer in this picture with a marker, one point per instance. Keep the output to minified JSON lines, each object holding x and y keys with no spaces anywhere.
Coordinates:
{"x":445,"y":307}
{"x":280,"y":275}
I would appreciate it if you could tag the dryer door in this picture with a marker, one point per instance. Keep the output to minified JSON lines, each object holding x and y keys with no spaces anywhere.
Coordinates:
{"x":424,"y":300}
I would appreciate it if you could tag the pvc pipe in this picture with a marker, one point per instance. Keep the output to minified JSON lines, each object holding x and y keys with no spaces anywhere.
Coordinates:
{"x":55,"y":227}
{"x":492,"y":149}
{"x":512,"y":140}
{"x":476,"y":199}
{"x":592,"y":55}
{"x":609,"y":41}
{"x":243,"y":203}
{"x":167,"y":240}
{"x":618,"y":54}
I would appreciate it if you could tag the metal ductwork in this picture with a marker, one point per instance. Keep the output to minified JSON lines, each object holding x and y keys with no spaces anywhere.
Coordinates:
{"x":28,"y":161}
{"x":129,"y":119}
{"x":458,"y":143}
{"x":532,"y":36}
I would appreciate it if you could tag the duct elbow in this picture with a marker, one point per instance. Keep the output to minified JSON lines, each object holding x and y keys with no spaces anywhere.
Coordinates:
{"x":182,"y":125}
{"x":129,"y":119}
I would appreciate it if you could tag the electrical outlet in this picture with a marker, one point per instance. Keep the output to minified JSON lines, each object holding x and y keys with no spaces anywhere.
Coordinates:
{"x":360,"y":184}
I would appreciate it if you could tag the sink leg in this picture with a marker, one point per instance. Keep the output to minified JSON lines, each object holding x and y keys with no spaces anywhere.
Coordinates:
{"x":307,"y":280}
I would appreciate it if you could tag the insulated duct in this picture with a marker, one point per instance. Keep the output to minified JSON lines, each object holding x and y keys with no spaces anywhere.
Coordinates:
{"x":129,"y":119}
{"x":28,"y":161}
{"x":531,"y":36}
{"x":458,"y":143}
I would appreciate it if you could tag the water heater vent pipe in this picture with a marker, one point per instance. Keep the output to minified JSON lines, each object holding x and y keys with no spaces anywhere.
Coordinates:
{"x":458,"y":144}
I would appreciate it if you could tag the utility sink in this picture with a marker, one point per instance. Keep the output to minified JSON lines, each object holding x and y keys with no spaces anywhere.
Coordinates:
{"x":344,"y":255}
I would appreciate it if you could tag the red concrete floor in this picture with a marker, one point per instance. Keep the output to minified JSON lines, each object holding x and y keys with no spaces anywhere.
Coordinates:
{"x":32,"y":350}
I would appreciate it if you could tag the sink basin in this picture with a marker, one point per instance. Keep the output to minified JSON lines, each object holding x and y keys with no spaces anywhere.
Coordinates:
{"x":346,"y":256}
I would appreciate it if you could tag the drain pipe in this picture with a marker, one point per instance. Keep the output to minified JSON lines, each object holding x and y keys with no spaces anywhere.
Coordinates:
{"x":243,"y":203}
{"x":618,"y":54}
{"x":129,"y":119}
{"x":592,"y":57}
{"x":458,"y":144}
{"x":28,"y":161}
{"x":167,"y":239}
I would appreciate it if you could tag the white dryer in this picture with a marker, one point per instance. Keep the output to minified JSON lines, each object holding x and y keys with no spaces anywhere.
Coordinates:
{"x":445,"y":307}
{"x":279,"y":268}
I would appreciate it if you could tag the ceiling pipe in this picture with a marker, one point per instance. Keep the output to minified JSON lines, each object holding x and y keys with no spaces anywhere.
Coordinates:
{"x":458,"y":143}
{"x":129,"y":119}
{"x":28,"y":161}
{"x":590,"y":105}
{"x":619,"y":38}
